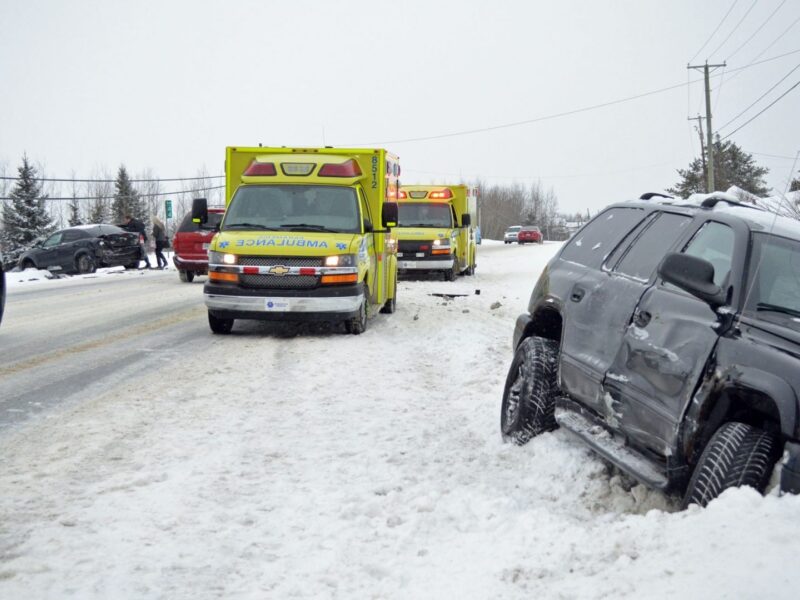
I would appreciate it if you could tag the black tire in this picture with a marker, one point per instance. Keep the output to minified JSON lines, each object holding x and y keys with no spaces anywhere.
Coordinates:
{"x":219,"y":325}
{"x":133,"y":265}
{"x":84,"y":263}
{"x":452,"y":273}
{"x":186,"y":276}
{"x":391,"y":305}
{"x":737,"y":454}
{"x":358,"y":324}
{"x":530,"y":392}
{"x":26,"y":264}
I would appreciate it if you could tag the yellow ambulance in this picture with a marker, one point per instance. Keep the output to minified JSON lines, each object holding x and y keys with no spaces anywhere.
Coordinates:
{"x":435,"y":229}
{"x":306,"y":236}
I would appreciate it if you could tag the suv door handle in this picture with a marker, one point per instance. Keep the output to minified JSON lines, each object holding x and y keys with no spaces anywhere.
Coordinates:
{"x":577,"y":294}
{"x":641,"y":318}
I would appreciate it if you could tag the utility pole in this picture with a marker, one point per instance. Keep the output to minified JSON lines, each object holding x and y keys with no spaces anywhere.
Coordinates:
{"x":699,"y":129}
{"x":709,"y":129}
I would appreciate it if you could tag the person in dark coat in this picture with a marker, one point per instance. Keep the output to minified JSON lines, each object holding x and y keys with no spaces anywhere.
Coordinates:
{"x":160,"y":238}
{"x":136,"y":226}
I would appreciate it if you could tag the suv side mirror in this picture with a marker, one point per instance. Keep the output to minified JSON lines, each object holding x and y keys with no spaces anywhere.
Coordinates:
{"x":694,"y":275}
{"x":466,"y":220}
{"x":390,"y":214}
{"x":200,"y":211}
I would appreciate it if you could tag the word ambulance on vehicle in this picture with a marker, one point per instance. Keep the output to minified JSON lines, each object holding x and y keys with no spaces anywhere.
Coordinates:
{"x":435,"y":231}
{"x":306,"y":236}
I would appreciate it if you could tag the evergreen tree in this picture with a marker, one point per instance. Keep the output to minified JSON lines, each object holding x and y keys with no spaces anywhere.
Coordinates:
{"x":732,"y":166}
{"x":74,"y":213}
{"x":795,"y":185}
{"x":126,"y":199}
{"x":26,"y":217}
{"x":99,"y":213}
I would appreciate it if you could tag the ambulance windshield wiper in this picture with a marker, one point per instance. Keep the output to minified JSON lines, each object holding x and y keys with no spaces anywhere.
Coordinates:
{"x":308,"y":227}
{"x":250,"y":226}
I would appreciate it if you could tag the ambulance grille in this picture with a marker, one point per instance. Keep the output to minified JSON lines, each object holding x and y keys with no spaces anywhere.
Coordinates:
{"x":286,"y":261}
{"x":282,"y":282}
{"x":413,"y":247}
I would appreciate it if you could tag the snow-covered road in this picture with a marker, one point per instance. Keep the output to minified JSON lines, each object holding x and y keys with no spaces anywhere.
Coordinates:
{"x":321,"y":465}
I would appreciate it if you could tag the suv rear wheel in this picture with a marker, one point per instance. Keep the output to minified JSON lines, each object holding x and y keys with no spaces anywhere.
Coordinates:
{"x":737,"y":454}
{"x":530,"y":391}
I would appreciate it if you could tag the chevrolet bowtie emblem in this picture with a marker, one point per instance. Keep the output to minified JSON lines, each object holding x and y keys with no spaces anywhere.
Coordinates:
{"x":279,"y":270}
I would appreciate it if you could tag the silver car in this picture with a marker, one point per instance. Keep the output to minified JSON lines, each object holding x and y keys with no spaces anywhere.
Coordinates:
{"x":510,"y":236}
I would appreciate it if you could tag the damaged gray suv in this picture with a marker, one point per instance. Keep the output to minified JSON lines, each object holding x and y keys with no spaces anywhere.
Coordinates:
{"x":666,"y":336}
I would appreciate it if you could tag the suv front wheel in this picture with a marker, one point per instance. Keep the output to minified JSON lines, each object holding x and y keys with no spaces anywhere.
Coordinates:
{"x":530,"y":391}
{"x":737,"y":454}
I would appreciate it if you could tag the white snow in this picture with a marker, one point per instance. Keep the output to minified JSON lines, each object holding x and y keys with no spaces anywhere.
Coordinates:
{"x":335,"y":466}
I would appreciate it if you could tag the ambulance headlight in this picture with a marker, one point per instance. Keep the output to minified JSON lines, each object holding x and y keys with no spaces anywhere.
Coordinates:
{"x":341,"y":260}
{"x":441,"y":243}
{"x":221,"y":258}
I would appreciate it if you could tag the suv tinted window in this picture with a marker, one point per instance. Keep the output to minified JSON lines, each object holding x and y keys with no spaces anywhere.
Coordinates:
{"x":592,"y":243}
{"x":641,"y":260}
{"x":714,"y":243}
{"x":214,"y":219}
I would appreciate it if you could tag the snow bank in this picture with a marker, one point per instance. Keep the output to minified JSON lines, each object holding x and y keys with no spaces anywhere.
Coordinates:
{"x":319,"y":465}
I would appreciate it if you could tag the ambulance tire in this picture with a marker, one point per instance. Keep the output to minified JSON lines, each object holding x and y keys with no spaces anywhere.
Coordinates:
{"x":391,"y":303}
{"x":219,"y":326}
{"x":358,"y":325}
{"x":451,"y":274}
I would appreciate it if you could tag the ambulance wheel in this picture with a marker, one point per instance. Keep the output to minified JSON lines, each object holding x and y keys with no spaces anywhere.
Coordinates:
{"x":218,"y":325}
{"x":451,"y":274}
{"x":186,"y":276}
{"x":391,"y":303}
{"x":358,"y":324}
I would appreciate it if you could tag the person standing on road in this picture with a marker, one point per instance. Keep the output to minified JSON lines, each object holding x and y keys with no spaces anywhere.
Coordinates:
{"x":136,"y":226}
{"x":160,"y":238}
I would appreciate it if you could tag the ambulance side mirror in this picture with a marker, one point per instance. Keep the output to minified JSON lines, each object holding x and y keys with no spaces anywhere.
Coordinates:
{"x":466,"y":220}
{"x":368,"y":228}
{"x":200,"y":211}
{"x":390,"y":214}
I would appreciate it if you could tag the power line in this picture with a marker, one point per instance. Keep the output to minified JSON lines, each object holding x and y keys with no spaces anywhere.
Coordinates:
{"x":760,"y":27}
{"x":771,"y":44}
{"x":536,"y":177}
{"x":765,"y":109}
{"x":713,"y":33}
{"x":561,"y":114}
{"x":67,"y":180}
{"x":761,"y":97}
{"x":735,"y":27}
{"x":174,"y":193}
{"x":773,"y":155}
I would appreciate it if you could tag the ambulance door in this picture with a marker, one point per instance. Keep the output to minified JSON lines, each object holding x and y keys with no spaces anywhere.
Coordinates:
{"x":368,"y":246}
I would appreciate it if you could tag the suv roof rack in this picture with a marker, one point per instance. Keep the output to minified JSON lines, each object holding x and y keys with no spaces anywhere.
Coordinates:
{"x":713,"y":200}
{"x":651,"y":195}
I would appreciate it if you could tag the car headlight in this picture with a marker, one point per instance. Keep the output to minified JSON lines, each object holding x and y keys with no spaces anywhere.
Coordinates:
{"x":221,"y":258}
{"x":441,"y":243}
{"x":341,"y":260}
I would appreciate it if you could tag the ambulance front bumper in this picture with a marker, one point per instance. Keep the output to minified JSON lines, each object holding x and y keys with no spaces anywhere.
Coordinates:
{"x":426,"y":265}
{"x":284,"y":304}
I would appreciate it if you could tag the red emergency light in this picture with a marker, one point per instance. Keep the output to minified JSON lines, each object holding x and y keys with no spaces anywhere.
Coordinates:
{"x":259,"y":169}
{"x":401,"y":195}
{"x":444,"y":194}
{"x":348,"y":168}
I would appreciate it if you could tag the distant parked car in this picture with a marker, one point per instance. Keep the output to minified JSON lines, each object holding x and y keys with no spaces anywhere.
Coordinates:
{"x":82,"y":249}
{"x":510,"y":236}
{"x":191,"y":244}
{"x":530,"y":235}
{"x":478,"y":235}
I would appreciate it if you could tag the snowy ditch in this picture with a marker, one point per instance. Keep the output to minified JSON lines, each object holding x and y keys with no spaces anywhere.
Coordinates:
{"x":333,"y":466}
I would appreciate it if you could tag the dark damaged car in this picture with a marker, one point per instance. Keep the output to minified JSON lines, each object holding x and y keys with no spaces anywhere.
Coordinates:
{"x":666,"y":336}
{"x":82,"y":249}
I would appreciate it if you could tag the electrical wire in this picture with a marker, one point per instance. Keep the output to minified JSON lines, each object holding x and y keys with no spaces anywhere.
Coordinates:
{"x":761,"y":112}
{"x":557,"y":115}
{"x":773,"y":155}
{"x":760,"y":27}
{"x":764,"y":51}
{"x":67,"y":180}
{"x":735,"y":27}
{"x":175,"y":193}
{"x":713,"y":33}
{"x":761,"y":97}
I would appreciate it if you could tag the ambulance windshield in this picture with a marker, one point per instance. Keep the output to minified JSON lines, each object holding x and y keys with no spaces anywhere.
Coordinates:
{"x":293,"y":208}
{"x":425,"y":214}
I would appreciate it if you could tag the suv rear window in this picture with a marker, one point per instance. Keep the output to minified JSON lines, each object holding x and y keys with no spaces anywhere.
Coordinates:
{"x":600,"y":236}
{"x":187,"y":225}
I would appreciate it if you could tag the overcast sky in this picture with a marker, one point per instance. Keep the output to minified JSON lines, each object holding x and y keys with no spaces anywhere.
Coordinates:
{"x":167,"y":84}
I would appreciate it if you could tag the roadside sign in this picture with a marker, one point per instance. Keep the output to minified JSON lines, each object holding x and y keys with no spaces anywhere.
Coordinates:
{"x":168,"y":208}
